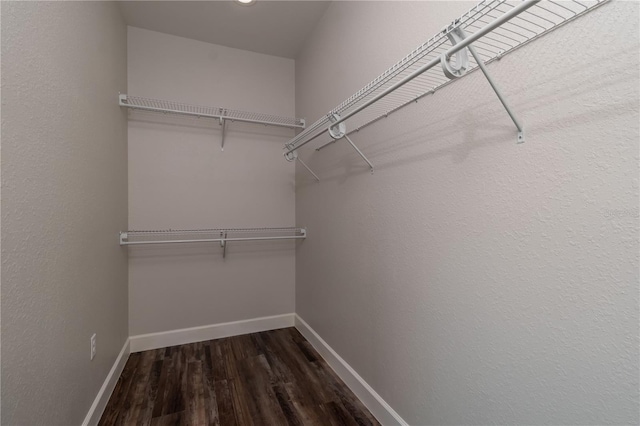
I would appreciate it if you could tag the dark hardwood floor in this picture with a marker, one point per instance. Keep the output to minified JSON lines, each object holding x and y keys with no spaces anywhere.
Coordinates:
{"x":269,"y":378}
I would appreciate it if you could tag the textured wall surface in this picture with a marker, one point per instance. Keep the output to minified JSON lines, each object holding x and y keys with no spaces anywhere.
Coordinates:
{"x":180,"y":179}
{"x":471,"y":280}
{"x":64,"y":190}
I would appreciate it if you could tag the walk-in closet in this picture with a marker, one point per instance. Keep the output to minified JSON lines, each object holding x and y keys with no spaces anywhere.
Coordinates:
{"x":257,"y":212}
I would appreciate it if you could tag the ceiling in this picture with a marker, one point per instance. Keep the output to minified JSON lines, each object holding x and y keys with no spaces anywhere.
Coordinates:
{"x":277,"y":28}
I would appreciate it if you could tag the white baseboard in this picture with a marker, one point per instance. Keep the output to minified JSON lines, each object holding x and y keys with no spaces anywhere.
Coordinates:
{"x":369,"y":397}
{"x":99,"y":404}
{"x":145,"y":342}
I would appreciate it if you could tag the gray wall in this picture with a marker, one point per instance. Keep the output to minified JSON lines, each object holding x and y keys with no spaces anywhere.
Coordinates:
{"x":471,"y":280}
{"x":64,"y":199}
{"x":180,"y":179}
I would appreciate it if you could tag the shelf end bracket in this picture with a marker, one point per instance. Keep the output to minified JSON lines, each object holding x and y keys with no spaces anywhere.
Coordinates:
{"x":223,"y":244}
{"x":456,"y":34}
{"x":359,"y":152}
{"x":223,"y":123}
{"x":307,"y":167}
{"x":293,"y":156}
{"x":496,"y":89}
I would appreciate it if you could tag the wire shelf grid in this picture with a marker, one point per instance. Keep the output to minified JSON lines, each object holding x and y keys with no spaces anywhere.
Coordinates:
{"x":221,"y":235}
{"x":180,"y":108}
{"x":535,"y":21}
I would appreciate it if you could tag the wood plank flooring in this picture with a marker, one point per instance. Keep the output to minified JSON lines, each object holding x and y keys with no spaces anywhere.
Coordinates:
{"x":269,"y":378}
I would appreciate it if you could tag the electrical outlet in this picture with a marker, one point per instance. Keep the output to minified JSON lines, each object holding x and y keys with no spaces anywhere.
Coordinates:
{"x":93,"y":346}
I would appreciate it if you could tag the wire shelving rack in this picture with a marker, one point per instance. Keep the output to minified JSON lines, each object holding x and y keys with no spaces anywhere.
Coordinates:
{"x":211,"y":235}
{"x":199,"y":111}
{"x":488,"y":31}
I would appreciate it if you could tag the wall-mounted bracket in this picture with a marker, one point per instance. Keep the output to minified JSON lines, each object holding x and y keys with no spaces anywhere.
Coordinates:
{"x":455,"y":36}
{"x":290,"y":155}
{"x":223,"y":124}
{"x":337,"y":131}
{"x":359,"y":152}
{"x":494,"y":86}
{"x":352,"y":144}
{"x":293,"y":156}
{"x":308,"y":169}
{"x":123,"y":236}
{"x":223,"y":243}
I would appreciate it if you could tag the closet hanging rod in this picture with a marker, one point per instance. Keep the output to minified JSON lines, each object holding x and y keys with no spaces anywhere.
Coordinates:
{"x":493,"y":27}
{"x":199,"y":111}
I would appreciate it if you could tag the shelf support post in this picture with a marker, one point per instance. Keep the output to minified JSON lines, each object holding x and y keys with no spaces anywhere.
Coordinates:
{"x":307,"y":167}
{"x":223,"y":243}
{"x":223,"y":123}
{"x":496,"y":89}
{"x":293,"y":156}
{"x":359,"y":152}
{"x":339,"y":131}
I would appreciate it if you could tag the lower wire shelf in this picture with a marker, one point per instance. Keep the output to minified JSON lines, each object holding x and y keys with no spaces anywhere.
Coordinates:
{"x":213,"y":235}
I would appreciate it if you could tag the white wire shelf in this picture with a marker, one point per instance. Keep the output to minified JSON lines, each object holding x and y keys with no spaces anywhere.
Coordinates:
{"x":173,"y":107}
{"x":212,"y":235}
{"x":489,"y":30}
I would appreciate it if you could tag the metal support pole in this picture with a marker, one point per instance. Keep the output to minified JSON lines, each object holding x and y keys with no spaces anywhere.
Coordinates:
{"x":223,"y":243}
{"x":307,"y":167}
{"x":495,"y":88}
{"x":223,"y":122}
{"x":359,"y":152}
{"x":326,"y":144}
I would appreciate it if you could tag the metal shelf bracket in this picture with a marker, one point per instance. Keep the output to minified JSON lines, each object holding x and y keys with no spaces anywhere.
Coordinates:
{"x":496,"y":89}
{"x":359,"y":152}
{"x":223,"y":124}
{"x":293,"y":156}
{"x":337,"y":131}
{"x":456,"y":35}
{"x":223,"y":243}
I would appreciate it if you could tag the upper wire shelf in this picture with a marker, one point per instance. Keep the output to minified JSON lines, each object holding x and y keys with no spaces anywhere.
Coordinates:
{"x":496,"y":27}
{"x":210,"y":235}
{"x":173,"y":107}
